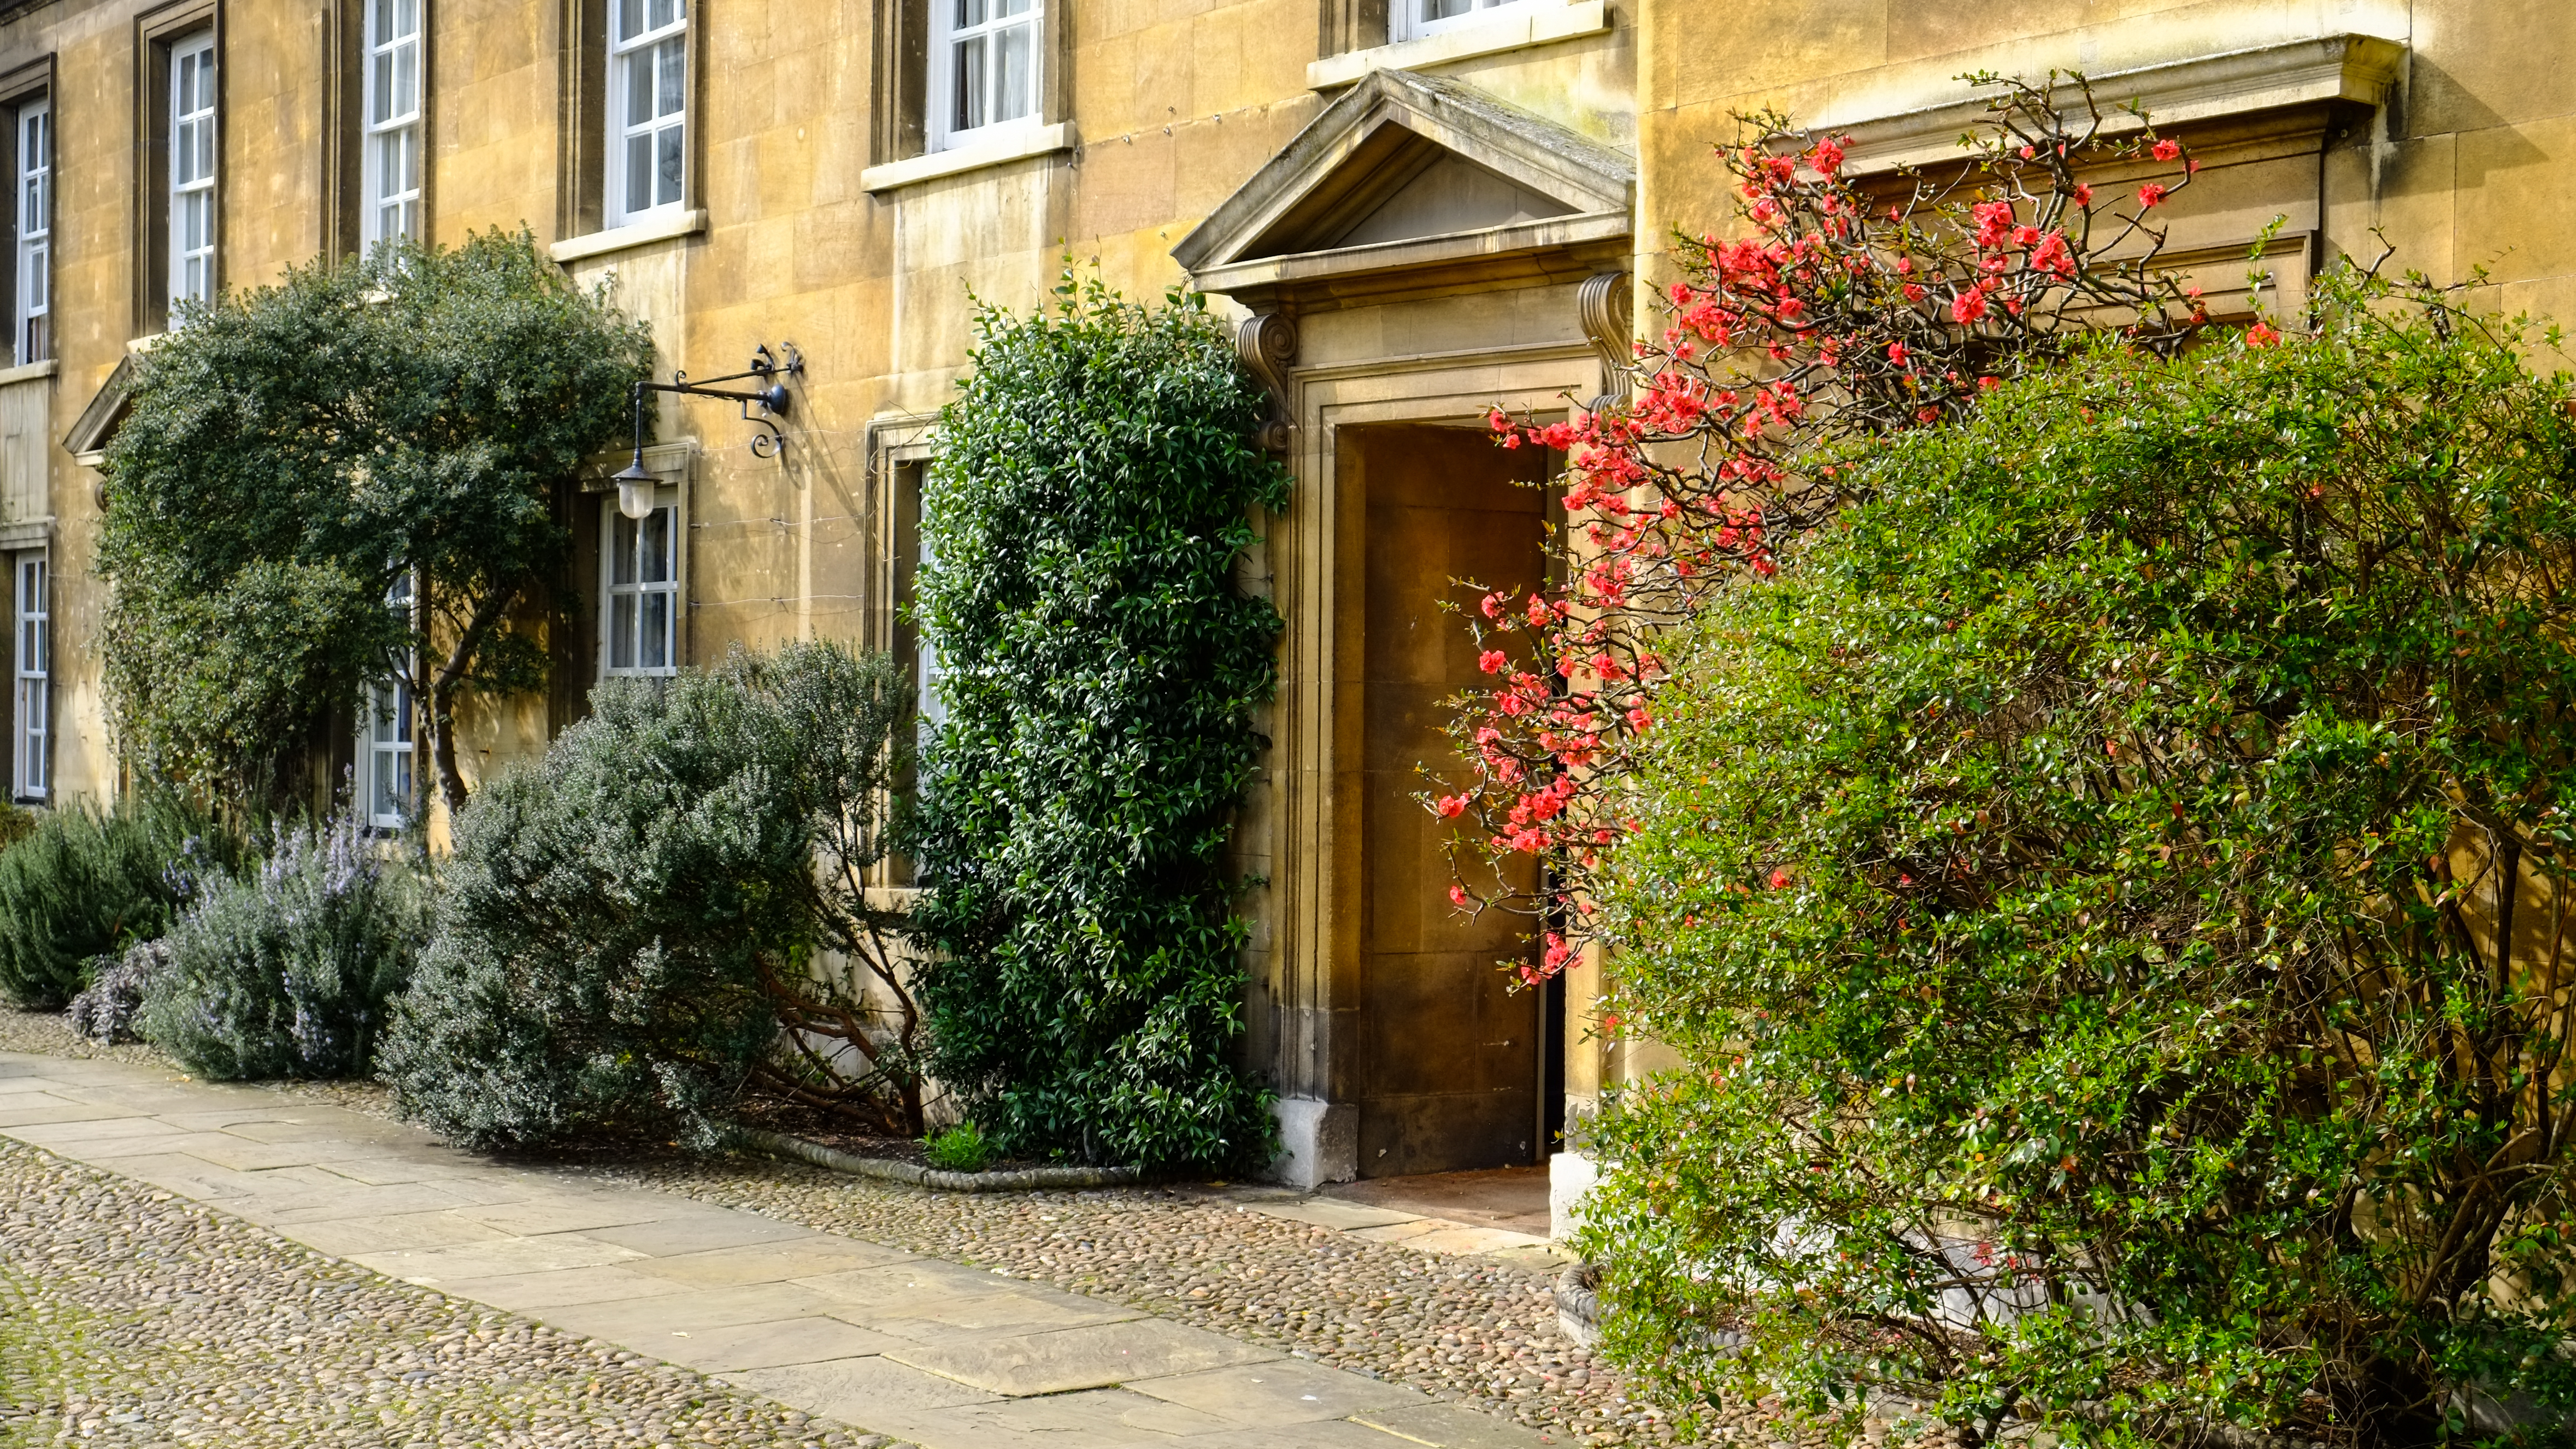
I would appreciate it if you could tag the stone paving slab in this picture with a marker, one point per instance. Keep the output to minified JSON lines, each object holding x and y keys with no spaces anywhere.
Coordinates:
{"x":948,"y":1356}
{"x":1282,"y":1391}
{"x":774,"y":1343}
{"x":1065,"y":1359}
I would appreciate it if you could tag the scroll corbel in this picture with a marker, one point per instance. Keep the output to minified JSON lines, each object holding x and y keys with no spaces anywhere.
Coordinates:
{"x":1267,"y":343}
{"x":1603,"y":304}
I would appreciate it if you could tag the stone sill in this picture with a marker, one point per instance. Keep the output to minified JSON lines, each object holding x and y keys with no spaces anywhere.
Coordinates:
{"x":1018,"y":146}
{"x":29,"y":373}
{"x":622,"y":238}
{"x":1511,"y":32}
{"x":27,"y":532}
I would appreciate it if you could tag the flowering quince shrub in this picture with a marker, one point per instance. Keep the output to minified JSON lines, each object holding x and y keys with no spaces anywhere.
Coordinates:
{"x":2110,"y":894}
{"x":1843,"y":310}
{"x":1100,"y":668}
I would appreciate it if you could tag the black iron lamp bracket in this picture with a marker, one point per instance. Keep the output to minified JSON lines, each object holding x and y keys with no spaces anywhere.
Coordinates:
{"x":768,"y":394}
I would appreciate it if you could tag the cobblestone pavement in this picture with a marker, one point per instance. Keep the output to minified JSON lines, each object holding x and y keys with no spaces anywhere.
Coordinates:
{"x":1473,"y":1329}
{"x":130,"y":1316}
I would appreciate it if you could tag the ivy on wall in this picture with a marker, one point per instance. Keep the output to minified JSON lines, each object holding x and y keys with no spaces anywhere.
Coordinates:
{"x":1100,"y":672}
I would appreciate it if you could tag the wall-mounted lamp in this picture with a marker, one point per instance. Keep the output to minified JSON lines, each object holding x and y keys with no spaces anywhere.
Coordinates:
{"x":636,"y":484}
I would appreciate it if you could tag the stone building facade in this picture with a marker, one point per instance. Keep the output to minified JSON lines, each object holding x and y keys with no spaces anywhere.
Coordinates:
{"x":1415,"y":209}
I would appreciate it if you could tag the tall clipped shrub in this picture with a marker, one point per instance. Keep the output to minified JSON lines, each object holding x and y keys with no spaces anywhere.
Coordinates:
{"x":1100,"y":669}
{"x":2111,"y":895}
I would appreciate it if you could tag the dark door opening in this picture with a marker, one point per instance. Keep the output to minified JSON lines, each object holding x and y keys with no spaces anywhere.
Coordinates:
{"x":1456,"y":1071}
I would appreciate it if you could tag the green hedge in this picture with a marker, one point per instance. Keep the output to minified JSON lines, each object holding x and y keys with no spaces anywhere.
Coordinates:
{"x":1101,"y":669}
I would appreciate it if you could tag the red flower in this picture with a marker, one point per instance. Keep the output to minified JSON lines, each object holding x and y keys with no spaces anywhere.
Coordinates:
{"x":1967,"y":307}
{"x":1779,"y":877}
{"x":2262,"y":335}
{"x":2151,"y":194}
{"x":1492,"y":661}
{"x":2083,"y":194}
{"x":1452,"y":806}
{"x":1458,"y":895}
{"x":2168,"y":150}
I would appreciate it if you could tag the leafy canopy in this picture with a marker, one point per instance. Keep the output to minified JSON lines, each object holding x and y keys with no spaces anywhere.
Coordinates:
{"x":1100,"y":669}
{"x":294,"y":451}
{"x":2111,"y":896}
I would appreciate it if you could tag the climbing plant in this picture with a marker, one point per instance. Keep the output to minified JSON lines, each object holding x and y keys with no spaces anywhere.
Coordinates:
{"x":1100,"y":668}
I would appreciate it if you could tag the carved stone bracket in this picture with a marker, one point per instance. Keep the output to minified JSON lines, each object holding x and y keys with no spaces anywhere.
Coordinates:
{"x":1267,"y":343}
{"x":1604,"y":305}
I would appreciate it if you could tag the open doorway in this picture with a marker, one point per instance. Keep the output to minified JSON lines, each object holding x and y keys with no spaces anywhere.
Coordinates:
{"x":1455,"y":1072}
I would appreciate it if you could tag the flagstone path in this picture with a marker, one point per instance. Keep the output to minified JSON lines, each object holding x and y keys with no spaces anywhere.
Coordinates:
{"x":886,"y":1341}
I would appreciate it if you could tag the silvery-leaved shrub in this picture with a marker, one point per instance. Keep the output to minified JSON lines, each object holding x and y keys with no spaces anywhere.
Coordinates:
{"x":285,"y":969}
{"x":106,"y":1010}
{"x":605,"y":924}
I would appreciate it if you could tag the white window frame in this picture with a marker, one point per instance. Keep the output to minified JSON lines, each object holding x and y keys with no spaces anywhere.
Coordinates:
{"x":665,"y":47}
{"x":31,"y":614}
{"x":388,"y":736}
{"x":1408,"y":20}
{"x":396,"y":38}
{"x":970,"y":38}
{"x":193,"y":164}
{"x":31,"y":328}
{"x":642,"y":591}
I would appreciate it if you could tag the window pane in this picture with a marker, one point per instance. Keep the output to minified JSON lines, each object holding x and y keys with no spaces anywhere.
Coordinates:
{"x":970,"y":13}
{"x":669,"y":65}
{"x":621,"y":632}
{"x":657,"y":631}
{"x":406,"y":17}
{"x":639,"y":172}
{"x":657,"y":548}
{"x":1445,"y":9}
{"x":406,"y":87}
{"x":622,"y":549}
{"x":639,"y":86}
{"x":969,"y":111}
{"x":1012,"y":97}
{"x":382,"y":79}
{"x":665,"y":12}
{"x":630,"y":19}
{"x":666,"y":171}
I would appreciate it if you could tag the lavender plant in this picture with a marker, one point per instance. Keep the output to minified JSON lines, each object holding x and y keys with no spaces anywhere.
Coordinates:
{"x":286,"y":968}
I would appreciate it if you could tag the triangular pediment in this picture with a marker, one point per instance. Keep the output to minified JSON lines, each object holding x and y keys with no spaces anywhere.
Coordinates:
{"x":1405,"y":158}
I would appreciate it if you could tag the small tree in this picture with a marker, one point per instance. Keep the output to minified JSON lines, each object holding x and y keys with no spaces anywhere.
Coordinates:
{"x":2111,"y":893}
{"x":293,"y":452}
{"x":1100,"y":669}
